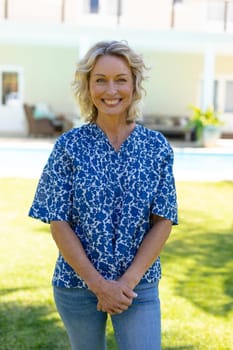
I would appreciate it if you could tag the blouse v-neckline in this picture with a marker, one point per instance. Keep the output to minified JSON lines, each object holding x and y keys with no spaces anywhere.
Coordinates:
{"x":125,"y":141}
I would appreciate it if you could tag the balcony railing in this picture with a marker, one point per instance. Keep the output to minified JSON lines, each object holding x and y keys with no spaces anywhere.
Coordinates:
{"x":191,"y":15}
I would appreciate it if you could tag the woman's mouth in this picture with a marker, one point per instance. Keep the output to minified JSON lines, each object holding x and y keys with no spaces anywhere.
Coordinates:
{"x":111,"y":102}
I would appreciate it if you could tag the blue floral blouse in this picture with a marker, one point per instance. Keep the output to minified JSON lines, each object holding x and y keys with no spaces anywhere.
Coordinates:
{"x":106,"y":196}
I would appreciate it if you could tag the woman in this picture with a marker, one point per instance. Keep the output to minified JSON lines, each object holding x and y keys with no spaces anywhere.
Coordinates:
{"x":108,"y":193}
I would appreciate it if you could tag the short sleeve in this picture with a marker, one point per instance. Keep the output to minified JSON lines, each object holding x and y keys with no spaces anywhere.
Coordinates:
{"x":53,"y":197}
{"x":165,"y":201}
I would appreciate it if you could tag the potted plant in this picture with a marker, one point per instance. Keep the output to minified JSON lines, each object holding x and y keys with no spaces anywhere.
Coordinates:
{"x":207,"y":125}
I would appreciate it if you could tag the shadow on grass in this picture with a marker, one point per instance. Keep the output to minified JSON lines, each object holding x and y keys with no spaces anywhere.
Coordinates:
{"x":6,"y":291}
{"x":33,"y":327}
{"x":30,"y":328}
{"x":204,"y":269}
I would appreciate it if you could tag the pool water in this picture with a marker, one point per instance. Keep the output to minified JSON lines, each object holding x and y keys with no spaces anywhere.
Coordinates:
{"x":23,"y":162}
{"x":203,"y":165}
{"x":188,"y":164}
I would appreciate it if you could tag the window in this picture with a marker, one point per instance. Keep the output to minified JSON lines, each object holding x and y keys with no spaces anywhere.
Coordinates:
{"x":10,"y":85}
{"x":104,"y":7}
{"x":215,"y":94}
{"x":94,"y":6}
{"x":228,"y":105}
{"x":222,"y":94}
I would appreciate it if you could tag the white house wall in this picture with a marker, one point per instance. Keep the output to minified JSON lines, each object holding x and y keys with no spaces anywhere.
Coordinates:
{"x":156,"y":12}
{"x":172,"y":85}
{"x":30,"y":11}
{"x":224,"y":64}
{"x":48,"y":73}
{"x":173,"y":81}
{"x":35,"y":37}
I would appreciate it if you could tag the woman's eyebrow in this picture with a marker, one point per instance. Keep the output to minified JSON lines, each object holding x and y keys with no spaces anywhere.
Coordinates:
{"x":103,"y":75}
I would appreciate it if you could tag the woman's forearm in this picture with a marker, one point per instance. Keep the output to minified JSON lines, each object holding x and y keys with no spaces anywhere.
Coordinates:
{"x":148,"y":251}
{"x":73,"y":252}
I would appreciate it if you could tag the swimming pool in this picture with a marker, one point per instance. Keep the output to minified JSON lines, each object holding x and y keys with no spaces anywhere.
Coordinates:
{"x":189,"y":164}
{"x":198,"y":165}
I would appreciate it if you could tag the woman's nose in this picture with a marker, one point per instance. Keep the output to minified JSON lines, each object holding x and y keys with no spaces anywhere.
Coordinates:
{"x":111,"y":87}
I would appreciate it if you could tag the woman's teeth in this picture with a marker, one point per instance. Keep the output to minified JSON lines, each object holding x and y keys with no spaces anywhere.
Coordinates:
{"x":111,"y":102}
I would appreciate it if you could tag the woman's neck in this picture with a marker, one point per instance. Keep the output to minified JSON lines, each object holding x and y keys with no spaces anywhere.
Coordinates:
{"x":116,"y":130}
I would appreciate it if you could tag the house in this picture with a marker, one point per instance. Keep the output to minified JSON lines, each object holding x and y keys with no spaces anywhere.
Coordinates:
{"x":188,"y":45}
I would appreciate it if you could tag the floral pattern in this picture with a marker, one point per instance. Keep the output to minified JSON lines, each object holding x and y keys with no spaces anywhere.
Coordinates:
{"x":107,"y":196}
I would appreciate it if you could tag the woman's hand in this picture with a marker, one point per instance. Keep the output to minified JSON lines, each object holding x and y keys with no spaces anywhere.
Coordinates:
{"x":114,"y":297}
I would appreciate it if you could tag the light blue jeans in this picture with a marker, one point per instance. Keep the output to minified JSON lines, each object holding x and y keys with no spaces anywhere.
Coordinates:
{"x":138,"y":328}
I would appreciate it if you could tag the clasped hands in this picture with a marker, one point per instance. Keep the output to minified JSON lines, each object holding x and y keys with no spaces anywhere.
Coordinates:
{"x":114,"y":297}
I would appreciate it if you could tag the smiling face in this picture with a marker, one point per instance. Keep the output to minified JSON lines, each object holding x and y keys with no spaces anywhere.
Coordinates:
{"x":111,"y":86}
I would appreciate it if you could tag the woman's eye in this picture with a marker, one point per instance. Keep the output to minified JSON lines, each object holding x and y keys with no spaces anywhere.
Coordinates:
{"x":100,"y":80}
{"x":121,"y":80}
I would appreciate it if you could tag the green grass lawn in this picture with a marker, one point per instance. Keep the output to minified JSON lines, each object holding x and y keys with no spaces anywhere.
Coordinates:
{"x":196,"y":290}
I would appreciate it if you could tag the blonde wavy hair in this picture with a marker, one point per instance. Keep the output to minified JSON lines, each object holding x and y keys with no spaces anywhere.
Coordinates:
{"x":86,"y":64}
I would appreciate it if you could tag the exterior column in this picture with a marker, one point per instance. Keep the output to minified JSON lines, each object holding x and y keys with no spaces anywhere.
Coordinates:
{"x":208,"y":78}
